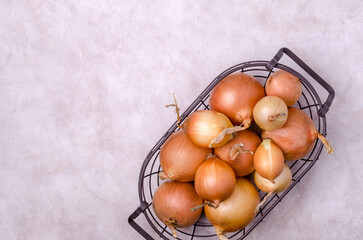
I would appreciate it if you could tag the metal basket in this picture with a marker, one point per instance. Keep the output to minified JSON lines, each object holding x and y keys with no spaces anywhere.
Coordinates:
{"x":309,"y":102}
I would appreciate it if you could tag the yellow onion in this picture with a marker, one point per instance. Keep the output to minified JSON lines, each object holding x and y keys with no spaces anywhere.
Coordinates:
{"x":282,"y":182}
{"x":237,"y":211}
{"x":209,"y":129}
{"x":235,"y":96}
{"x":180,"y":158}
{"x":238,"y":153}
{"x":269,"y":160}
{"x":270,"y":113}
{"x":214,"y":181}
{"x":172,"y":202}
{"x":298,"y":135}
{"x":284,"y":85}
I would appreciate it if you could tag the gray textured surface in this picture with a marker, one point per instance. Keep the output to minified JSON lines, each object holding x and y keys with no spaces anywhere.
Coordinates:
{"x":82,"y":91}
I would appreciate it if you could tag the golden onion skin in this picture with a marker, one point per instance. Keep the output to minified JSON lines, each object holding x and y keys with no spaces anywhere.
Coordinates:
{"x":243,"y":163}
{"x":180,"y":158}
{"x":284,"y":85}
{"x":269,"y":160}
{"x":238,"y":210}
{"x":270,"y":113}
{"x":214,"y":180}
{"x":203,"y":126}
{"x":297,"y":137}
{"x":172,"y":203}
{"x":282,"y":182}
{"x":235,"y":96}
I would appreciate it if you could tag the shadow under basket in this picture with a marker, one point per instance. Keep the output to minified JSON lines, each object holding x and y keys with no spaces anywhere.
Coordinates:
{"x":309,"y":102}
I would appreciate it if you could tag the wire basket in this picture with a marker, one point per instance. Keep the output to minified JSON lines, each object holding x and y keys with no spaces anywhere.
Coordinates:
{"x":309,"y":102}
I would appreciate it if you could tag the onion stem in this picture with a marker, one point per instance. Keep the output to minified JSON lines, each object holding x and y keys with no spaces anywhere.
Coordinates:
{"x":236,"y":150}
{"x":210,"y":204}
{"x":273,"y":117}
{"x":223,"y":133}
{"x":175,"y":104}
{"x":263,"y":201}
{"x":162,"y":175}
{"x":327,"y":145}
{"x":169,"y":224}
{"x":220,"y":233}
{"x":209,"y":155}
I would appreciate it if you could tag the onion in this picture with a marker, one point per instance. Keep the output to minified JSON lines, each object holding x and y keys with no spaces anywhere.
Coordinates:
{"x":171,"y":203}
{"x":297,"y":137}
{"x":269,"y":160}
{"x":282,"y":182}
{"x":284,"y":85}
{"x":180,"y":158}
{"x":214,"y":181}
{"x":208,"y":129}
{"x":237,"y":211}
{"x":235,"y":96}
{"x":238,"y":153}
{"x":270,"y":113}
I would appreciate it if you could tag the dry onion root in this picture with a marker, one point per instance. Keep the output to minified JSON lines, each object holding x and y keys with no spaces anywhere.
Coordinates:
{"x":209,"y":129}
{"x":235,"y":96}
{"x":237,"y":211}
{"x":238,"y":152}
{"x":270,"y":113}
{"x":284,"y":85}
{"x":180,"y":158}
{"x":282,"y":182}
{"x":269,"y":160}
{"x":171,"y":203}
{"x":214,"y":181}
{"x":298,"y":135}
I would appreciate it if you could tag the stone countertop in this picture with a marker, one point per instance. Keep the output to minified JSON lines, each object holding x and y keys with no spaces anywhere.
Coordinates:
{"x":83,"y":87}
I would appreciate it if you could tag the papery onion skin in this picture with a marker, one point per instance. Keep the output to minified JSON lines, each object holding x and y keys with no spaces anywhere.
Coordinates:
{"x":284,"y":85}
{"x":282,"y":182}
{"x":214,"y":180}
{"x":243,"y":163}
{"x":235,"y":96}
{"x":237,"y":211}
{"x":172,"y":203}
{"x":297,"y":137}
{"x":180,"y":158}
{"x":203,"y":126}
{"x":269,"y":160}
{"x":270,"y":113}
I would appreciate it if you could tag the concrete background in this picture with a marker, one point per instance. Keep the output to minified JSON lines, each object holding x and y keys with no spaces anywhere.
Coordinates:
{"x":83,"y":86}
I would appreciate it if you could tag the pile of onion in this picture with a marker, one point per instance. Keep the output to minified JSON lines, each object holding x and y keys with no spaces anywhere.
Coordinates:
{"x":172,"y":203}
{"x":269,"y":160}
{"x":284,"y":85}
{"x":237,"y":211}
{"x":298,"y":135}
{"x":209,"y":129}
{"x":238,"y":153}
{"x":180,"y":158}
{"x":231,"y":203}
{"x":214,"y":181}
{"x":235,"y":96}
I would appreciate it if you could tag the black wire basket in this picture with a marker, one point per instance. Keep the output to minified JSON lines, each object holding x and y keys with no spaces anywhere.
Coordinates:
{"x":309,"y":102}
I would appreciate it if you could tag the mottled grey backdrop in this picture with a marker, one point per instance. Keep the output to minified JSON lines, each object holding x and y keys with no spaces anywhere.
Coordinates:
{"x":83,"y":86}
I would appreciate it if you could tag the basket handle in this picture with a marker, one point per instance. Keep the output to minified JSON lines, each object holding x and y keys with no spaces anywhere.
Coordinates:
{"x":322,"y":82}
{"x":134,"y":215}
